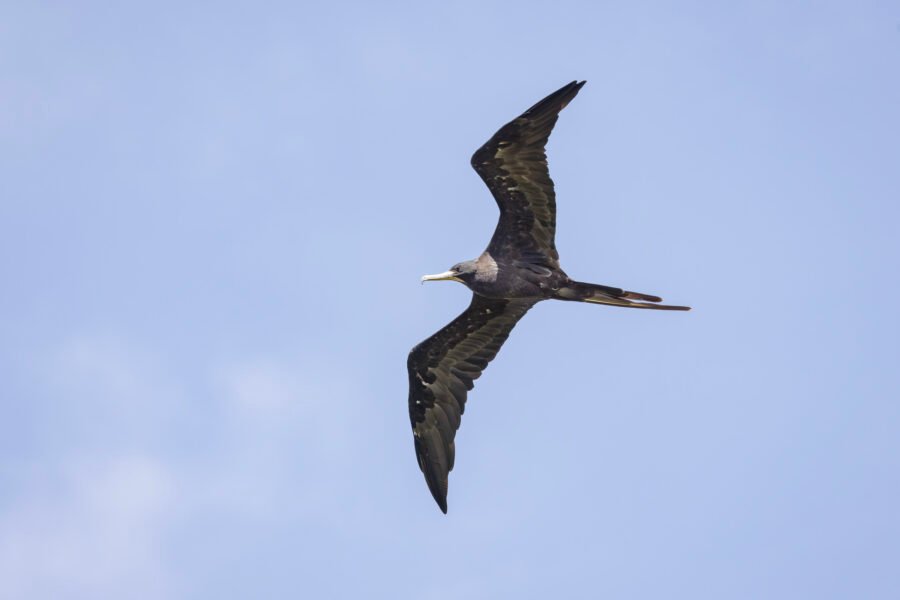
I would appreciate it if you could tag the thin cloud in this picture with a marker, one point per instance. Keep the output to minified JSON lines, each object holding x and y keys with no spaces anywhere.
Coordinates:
{"x":99,"y":515}
{"x":94,"y":531}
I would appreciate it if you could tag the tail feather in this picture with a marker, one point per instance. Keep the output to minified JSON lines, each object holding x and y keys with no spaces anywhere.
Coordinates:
{"x":636,"y":296}
{"x":602,"y":294}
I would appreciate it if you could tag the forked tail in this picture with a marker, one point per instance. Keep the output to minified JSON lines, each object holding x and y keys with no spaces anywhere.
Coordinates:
{"x":603,"y":294}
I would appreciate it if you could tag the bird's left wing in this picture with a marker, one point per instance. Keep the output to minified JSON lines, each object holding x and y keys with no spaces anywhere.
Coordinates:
{"x":513,"y":164}
{"x":441,"y":372}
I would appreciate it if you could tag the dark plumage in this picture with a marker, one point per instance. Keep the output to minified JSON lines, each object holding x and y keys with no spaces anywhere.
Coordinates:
{"x":519,"y":269}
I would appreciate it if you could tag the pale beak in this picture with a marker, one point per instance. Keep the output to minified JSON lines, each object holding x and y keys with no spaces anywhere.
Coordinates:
{"x":445,"y":276}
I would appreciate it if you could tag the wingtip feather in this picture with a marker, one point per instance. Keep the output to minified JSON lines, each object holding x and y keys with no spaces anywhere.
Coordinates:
{"x":438,"y":491}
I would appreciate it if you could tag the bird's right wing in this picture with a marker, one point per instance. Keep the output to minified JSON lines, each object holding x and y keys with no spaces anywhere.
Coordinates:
{"x":513,"y":164}
{"x":441,"y":372}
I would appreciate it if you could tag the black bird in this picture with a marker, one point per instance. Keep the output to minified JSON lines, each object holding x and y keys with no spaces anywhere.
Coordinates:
{"x":519,"y":269}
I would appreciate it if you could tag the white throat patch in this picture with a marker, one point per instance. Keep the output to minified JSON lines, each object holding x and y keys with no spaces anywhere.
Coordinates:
{"x":487,"y":268}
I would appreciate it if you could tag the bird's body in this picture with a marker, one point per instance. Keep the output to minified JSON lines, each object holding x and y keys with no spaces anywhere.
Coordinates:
{"x":519,"y":268}
{"x":501,"y":278}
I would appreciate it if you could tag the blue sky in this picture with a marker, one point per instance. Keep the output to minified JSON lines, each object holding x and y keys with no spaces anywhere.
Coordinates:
{"x":213,"y":219}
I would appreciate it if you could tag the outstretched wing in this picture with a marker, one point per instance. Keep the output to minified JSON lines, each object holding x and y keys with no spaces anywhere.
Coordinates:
{"x":441,"y":372}
{"x":513,"y":164}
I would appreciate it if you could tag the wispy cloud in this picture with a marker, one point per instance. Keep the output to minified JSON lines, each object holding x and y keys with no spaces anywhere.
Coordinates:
{"x":91,"y":529}
{"x":94,"y":519}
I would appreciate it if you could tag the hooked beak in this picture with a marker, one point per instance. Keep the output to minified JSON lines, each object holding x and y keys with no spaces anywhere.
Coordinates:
{"x":445,"y":276}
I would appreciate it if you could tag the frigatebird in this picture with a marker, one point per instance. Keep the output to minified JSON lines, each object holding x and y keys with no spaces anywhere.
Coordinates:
{"x":519,"y":268}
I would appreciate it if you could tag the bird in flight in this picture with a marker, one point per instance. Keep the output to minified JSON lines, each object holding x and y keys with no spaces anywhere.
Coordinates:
{"x":519,"y":268}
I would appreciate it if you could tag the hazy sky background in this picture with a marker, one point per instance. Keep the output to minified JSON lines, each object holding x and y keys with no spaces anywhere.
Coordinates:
{"x":213,"y":220}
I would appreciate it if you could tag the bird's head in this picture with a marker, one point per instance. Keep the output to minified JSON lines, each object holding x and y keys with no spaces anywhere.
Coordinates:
{"x":462,"y":272}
